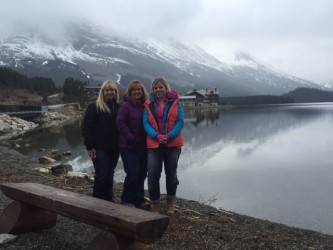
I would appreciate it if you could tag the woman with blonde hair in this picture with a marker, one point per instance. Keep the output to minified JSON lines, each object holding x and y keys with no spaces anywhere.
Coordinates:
{"x":101,"y":138}
{"x":163,"y":120}
{"x":132,"y":143}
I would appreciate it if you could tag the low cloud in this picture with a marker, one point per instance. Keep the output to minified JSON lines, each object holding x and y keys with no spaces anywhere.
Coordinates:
{"x":294,"y":36}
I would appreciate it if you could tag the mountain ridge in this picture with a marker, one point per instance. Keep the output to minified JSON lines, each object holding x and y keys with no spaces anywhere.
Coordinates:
{"x":88,"y":53}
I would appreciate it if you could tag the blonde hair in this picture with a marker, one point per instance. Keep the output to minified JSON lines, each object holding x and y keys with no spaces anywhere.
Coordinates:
{"x":132,"y":84}
{"x":160,"y":80}
{"x":101,"y":102}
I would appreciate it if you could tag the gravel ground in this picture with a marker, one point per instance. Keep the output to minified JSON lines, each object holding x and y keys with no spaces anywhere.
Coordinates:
{"x":194,"y":226}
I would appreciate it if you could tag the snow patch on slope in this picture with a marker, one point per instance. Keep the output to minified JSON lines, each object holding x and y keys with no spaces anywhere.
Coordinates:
{"x":182,"y":56}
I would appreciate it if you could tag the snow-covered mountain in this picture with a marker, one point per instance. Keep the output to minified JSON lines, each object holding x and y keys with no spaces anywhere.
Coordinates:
{"x":91,"y":54}
{"x":328,"y":85}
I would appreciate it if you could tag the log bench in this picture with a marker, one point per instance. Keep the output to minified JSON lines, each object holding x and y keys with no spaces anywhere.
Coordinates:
{"x":36,"y":206}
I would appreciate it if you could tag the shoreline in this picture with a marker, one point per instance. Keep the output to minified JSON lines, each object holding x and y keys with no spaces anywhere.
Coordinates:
{"x":194,"y":226}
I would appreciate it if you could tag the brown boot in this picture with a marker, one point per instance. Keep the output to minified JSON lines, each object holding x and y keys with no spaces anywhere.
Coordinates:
{"x":170,"y":206}
{"x":156,"y":207}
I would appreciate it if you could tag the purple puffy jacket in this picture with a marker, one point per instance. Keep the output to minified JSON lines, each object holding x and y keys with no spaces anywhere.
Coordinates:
{"x":130,"y":126}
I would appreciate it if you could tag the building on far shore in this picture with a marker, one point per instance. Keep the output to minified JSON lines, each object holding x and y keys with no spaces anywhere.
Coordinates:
{"x":91,"y":91}
{"x":188,"y":101}
{"x":200,"y":98}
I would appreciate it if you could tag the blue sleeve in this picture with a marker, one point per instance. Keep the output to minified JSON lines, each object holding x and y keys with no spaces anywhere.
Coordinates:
{"x":179,"y":124}
{"x":151,"y":132}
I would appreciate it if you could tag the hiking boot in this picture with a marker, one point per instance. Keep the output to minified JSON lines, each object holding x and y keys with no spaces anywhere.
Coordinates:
{"x":170,"y":206}
{"x":156,"y":207}
{"x":127,"y":204}
{"x":144,"y":205}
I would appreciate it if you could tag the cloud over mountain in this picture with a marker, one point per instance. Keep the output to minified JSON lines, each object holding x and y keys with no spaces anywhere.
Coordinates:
{"x":91,"y":53}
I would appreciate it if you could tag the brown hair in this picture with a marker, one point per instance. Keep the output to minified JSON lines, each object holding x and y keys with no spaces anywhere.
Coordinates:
{"x":160,"y":80}
{"x":132,"y":84}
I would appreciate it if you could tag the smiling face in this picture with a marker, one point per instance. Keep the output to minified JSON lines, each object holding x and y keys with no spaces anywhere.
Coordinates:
{"x":136,"y":92}
{"x":109,"y":94}
{"x":159,"y":90}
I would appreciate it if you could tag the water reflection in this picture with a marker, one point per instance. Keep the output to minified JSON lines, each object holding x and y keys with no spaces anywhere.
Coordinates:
{"x":249,"y":127}
{"x":273,"y":163}
{"x":197,"y":116}
{"x":268,"y":162}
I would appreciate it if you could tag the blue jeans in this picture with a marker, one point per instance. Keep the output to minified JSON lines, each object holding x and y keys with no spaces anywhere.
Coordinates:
{"x":104,"y":165}
{"x":156,"y":158}
{"x":135,"y":167}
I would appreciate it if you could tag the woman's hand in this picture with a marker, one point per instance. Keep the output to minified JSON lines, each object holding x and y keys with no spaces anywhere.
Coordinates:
{"x":162,"y":138}
{"x":92,"y":153}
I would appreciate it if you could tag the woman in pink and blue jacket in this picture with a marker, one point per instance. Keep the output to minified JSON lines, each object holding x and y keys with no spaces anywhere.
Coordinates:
{"x":163,"y":120}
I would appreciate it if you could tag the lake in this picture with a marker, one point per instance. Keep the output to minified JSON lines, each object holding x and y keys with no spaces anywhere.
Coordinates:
{"x":269,"y":162}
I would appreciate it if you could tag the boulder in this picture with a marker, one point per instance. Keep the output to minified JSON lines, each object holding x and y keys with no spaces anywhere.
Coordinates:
{"x":66,"y":153}
{"x":42,"y":170}
{"x":56,"y":157}
{"x":6,"y":238}
{"x":11,"y":126}
{"x":61,"y":169}
{"x":54,"y":151}
{"x":76,"y":174}
{"x":46,"y":160}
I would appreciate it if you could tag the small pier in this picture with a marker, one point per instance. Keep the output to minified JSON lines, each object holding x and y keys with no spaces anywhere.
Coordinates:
{"x":23,"y":111}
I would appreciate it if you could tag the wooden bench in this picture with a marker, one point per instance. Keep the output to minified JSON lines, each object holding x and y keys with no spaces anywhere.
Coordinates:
{"x":36,"y":206}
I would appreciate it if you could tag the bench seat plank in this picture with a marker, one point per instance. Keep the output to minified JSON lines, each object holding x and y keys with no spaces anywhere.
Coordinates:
{"x":121,"y":220}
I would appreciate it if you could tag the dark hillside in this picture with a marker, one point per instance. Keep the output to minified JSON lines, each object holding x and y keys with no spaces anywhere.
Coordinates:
{"x":310,"y":95}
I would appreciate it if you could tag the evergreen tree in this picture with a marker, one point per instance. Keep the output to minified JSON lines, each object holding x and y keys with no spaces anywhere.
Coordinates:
{"x":73,"y":88}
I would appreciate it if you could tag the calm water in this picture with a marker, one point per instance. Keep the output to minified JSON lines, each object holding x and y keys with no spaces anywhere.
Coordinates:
{"x":273,"y":163}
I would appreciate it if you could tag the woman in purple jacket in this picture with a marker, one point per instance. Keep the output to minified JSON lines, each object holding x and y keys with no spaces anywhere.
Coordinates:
{"x":132,"y":143}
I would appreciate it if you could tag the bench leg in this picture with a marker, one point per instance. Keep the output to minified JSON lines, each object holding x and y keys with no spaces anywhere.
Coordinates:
{"x":108,"y":241}
{"x":127,"y":244}
{"x":104,"y":241}
{"x":18,"y":217}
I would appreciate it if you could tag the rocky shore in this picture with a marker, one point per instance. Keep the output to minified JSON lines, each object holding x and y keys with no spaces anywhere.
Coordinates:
{"x":11,"y":126}
{"x":194,"y":226}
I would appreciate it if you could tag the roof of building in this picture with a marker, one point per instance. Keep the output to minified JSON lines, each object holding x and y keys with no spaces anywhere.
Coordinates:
{"x":92,"y":87}
{"x":186,"y":97}
{"x":204,"y":92}
{"x":192,"y":92}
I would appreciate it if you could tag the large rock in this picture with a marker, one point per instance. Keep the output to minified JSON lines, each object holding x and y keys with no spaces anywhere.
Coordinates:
{"x":46,"y":160}
{"x":56,"y":157}
{"x":42,"y":170}
{"x":10,"y":126}
{"x":61,"y":169}
{"x":67,"y":153}
{"x":6,"y":238}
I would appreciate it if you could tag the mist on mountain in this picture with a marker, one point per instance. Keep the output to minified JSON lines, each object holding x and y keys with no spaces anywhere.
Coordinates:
{"x":93,"y":54}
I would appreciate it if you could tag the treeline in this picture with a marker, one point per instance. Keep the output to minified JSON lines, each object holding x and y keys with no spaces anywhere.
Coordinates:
{"x":310,"y":95}
{"x":73,"y":89}
{"x":41,"y":85}
{"x":255,"y":100}
{"x":299,"y":95}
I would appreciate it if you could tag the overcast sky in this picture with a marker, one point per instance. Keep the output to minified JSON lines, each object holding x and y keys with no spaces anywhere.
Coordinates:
{"x":294,"y":36}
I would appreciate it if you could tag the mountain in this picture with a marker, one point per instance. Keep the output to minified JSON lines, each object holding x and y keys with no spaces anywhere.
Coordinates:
{"x":328,"y":85}
{"x":89,"y":53}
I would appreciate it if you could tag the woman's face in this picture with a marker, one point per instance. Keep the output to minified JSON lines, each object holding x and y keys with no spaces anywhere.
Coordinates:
{"x":136,"y":92}
{"x":160,"y":90}
{"x":109,"y":94}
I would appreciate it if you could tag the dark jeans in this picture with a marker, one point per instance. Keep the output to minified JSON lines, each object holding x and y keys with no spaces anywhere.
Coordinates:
{"x":135,"y":167}
{"x":156,"y":157}
{"x":104,"y":164}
